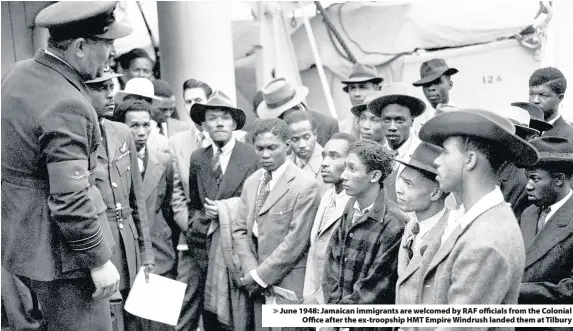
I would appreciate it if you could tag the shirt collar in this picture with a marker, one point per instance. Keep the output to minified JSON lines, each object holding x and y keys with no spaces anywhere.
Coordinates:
{"x":555,"y":207}
{"x":365,"y":210}
{"x":57,"y":57}
{"x":487,"y":202}
{"x":278,"y":172}
{"x":428,"y":224}
{"x":227,"y":148}
{"x":405,"y":148}
{"x":554,"y":120}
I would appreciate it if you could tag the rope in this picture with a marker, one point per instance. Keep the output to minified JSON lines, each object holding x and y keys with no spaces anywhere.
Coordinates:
{"x":332,"y":29}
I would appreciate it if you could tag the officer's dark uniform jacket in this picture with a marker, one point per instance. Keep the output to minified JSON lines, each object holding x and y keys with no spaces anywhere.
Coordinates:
{"x":53,"y":220}
{"x":119,"y":181}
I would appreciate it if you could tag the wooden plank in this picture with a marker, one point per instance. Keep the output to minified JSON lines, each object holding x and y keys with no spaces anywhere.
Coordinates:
{"x":8,"y":54}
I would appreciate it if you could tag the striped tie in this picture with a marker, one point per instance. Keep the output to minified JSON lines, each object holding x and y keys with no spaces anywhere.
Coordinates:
{"x":216,"y":165}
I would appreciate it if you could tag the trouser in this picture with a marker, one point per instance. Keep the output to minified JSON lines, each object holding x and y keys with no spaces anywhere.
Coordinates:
{"x":21,"y":311}
{"x":192,"y":270}
{"x":211,"y":323}
{"x":68,"y":305}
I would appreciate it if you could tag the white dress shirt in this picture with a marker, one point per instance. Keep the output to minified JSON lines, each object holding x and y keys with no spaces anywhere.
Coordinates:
{"x":552,"y":122}
{"x":425,"y":227}
{"x":225,"y":155}
{"x":275,"y":174}
{"x":463,"y":219}
{"x":555,"y":207}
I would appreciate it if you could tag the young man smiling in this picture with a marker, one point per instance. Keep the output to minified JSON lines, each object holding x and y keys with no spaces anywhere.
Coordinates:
{"x":362,"y":255}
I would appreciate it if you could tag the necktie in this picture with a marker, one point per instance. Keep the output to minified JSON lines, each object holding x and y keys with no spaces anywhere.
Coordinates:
{"x":141,"y":160}
{"x":301,"y":163}
{"x":263,"y":192}
{"x":394,"y":153}
{"x":216,"y":165}
{"x":328,"y":212}
{"x":542,"y":218}
{"x":409,"y":244}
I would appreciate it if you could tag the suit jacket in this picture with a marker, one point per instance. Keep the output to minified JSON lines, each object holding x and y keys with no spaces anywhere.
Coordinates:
{"x":202,"y":183}
{"x":313,"y":167}
{"x":53,"y":225}
{"x":409,"y":271}
{"x":327,"y":126}
{"x":157,"y":190}
{"x":560,"y":129}
{"x":283,"y":228}
{"x":512,"y":181}
{"x":548,"y":275}
{"x":119,"y":182}
{"x":319,"y":239}
{"x":475,"y":265}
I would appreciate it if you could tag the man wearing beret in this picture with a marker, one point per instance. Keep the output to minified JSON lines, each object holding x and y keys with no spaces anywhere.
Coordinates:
{"x":55,"y":234}
{"x":547,"y":226}
{"x":479,"y":258}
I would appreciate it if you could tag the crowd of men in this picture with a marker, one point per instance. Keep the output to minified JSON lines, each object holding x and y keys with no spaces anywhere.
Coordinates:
{"x":100,"y":180}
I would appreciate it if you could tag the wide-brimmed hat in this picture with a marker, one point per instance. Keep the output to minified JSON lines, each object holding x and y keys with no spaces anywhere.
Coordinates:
{"x":396,"y":93}
{"x":555,"y":151}
{"x":536,"y":120}
{"x":163,"y":90}
{"x":218,"y":100}
{"x":362,"y":73}
{"x":106,"y":74}
{"x":139,"y":86}
{"x":482,"y":124}
{"x":432,"y":70}
{"x":520,"y":118}
{"x":278,"y":96}
{"x":73,"y":19}
{"x":423,"y":158}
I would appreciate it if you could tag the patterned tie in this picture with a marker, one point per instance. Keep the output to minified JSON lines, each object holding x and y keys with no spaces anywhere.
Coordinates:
{"x":263,"y":192}
{"x":141,"y":160}
{"x":216,"y":165}
{"x":409,"y":244}
{"x":327,"y":213}
{"x":542,"y":218}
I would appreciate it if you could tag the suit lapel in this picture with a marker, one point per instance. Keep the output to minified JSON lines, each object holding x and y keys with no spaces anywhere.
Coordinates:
{"x":280,"y":188}
{"x":111,"y":139}
{"x":442,"y":251}
{"x":335,"y":216}
{"x":315,"y":161}
{"x":153,"y":172}
{"x":529,"y":227}
{"x":206,"y":175}
{"x":559,"y":227}
{"x":234,"y":173}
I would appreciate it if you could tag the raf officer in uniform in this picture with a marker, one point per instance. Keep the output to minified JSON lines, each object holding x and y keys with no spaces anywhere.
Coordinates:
{"x":55,"y":235}
{"x":121,"y":189}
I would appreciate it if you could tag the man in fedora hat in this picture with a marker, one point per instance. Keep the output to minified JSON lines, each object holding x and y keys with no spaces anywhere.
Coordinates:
{"x":281,"y":98}
{"x":471,"y":263}
{"x":536,"y":117}
{"x":362,"y":82}
{"x":216,"y":173}
{"x":547,"y":225}
{"x":168,"y":126}
{"x":369,"y":125}
{"x":419,"y":193}
{"x":397,"y":109}
{"x":55,"y":236}
{"x":547,"y":88}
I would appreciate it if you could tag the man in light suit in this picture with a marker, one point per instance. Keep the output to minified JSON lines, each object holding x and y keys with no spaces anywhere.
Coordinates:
{"x":547,"y":225}
{"x":418,"y":192}
{"x":329,"y":214}
{"x":472,"y":263}
{"x":306,"y":152}
{"x":272,"y":229}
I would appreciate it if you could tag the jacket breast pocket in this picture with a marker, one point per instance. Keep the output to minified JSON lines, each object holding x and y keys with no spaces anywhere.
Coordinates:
{"x":123,"y":167}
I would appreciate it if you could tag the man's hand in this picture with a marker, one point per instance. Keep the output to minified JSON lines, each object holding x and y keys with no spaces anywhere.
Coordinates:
{"x":147,"y":269}
{"x":250,"y":284}
{"x":211,"y":209}
{"x":106,"y":280}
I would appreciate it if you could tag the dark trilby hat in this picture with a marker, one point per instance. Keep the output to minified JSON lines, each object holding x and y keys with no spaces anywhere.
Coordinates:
{"x":481,"y":124}
{"x":362,"y":73}
{"x":554,"y":151}
{"x":218,"y":100}
{"x":536,"y":121}
{"x":432,"y":70}
{"x":396,"y":93}
{"x":423,"y":158}
{"x":73,"y":19}
{"x":162,"y":90}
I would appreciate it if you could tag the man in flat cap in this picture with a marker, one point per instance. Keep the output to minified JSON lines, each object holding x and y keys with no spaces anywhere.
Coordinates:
{"x":547,"y":226}
{"x":55,"y":234}
{"x":479,"y":258}
{"x":362,"y":82}
{"x":547,"y":88}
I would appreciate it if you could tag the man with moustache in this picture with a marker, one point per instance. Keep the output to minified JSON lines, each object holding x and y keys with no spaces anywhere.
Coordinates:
{"x":397,"y":109}
{"x":362,"y":82}
{"x":328,"y":216}
{"x":547,"y":226}
{"x":480,"y":257}
{"x":271,"y":231}
{"x":362,"y":255}
{"x":419,"y":193}
{"x":216,"y":174}
{"x":55,"y":235}
{"x":547,"y":88}
{"x":306,"y":153}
